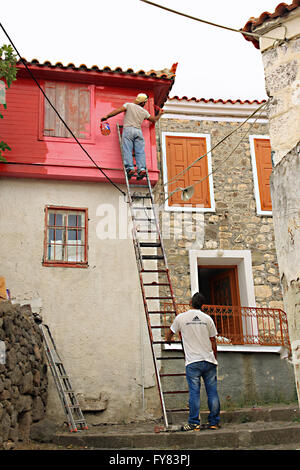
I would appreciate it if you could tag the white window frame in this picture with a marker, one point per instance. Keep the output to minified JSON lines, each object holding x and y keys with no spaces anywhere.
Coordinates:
{"x":175,"y":208}
{"x":259,"y":210}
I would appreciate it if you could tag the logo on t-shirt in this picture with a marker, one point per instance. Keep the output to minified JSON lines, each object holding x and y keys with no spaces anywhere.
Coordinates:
{"x":196,"y":320}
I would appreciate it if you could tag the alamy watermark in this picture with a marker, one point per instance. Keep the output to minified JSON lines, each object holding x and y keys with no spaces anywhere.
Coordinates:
{"x":2,"y":352}
{"x":115,"y":222}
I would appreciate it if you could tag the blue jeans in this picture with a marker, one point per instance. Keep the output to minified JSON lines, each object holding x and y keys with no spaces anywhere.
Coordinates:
{"x":208,"y":372}
{"x":133,"y":139}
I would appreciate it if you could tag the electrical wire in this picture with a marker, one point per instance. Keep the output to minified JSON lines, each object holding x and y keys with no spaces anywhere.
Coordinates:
{"x":57,"y":113}
{"x":255,"y":35}
{"x":175,"y":178}
{"x":222,"y":163}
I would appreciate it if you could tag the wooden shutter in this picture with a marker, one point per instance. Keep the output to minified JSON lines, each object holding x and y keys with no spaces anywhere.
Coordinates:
{"x":264,"y":169}
{"x":181,"y":152}
{"x":73,"y":104}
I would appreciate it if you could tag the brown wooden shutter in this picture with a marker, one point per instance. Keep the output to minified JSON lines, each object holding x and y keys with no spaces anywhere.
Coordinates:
{"x":72,"y":101}
{"x":264,"y":169}
{"x":181,"y":152}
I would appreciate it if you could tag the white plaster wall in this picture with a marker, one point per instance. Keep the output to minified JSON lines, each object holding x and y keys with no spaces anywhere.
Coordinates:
{"x":95,"y":314}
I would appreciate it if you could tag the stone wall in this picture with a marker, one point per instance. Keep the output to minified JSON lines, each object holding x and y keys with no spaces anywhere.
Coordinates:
{"x":282,"y":76}
{"x":235,"y":224}
{"x":23,"y":373}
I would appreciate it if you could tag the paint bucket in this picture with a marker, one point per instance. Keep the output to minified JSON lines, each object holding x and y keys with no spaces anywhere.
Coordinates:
{"x":104,"y":127}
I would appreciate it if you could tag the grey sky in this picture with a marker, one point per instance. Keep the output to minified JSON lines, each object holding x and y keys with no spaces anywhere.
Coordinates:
{"x":212,"y":63}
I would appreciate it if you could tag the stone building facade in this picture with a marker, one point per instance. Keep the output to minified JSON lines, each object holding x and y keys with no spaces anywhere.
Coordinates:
{"x":235,"y":222}
{"x":282,"y":77}
{"x":233,"y":232}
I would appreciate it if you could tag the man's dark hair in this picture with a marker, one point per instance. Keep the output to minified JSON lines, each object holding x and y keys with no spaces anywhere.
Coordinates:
{"x":198,"y":300}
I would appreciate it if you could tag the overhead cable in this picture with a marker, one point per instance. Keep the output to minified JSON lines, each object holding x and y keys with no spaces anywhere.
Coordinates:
{"x":255,"y":35}
{"x":57,"y":113}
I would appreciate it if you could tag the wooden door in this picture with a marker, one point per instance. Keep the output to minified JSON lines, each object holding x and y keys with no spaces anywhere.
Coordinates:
{"x":224,"y":291}
{"x":181,"y":152}
{"x":264,"y":170}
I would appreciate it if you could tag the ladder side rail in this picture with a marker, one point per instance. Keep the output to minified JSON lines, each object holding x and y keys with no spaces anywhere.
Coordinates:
{"x":164,"y":252}
{"x":134,"y":229}
{"x":56,"y":377}
{"x":161,"y":397}
{"x":61,"y":380}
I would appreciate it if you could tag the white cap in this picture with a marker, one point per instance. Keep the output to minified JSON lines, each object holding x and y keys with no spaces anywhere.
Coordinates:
{"x":141,"y":98}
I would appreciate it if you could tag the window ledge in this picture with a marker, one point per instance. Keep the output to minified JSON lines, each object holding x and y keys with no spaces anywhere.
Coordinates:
{"x":65,"y":265}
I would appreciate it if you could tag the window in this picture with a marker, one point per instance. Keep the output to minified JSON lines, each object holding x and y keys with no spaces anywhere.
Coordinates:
{"x":73,"y":102}
{"x":262,"y":167}
{"x":179,"y":151}
{"x":65,"y":237}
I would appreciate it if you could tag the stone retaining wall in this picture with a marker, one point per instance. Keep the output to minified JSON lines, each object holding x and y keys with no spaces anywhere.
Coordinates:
{"x":23,"y":373}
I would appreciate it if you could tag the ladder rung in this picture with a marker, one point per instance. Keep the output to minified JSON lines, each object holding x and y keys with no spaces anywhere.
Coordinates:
{"x":150,"y":244}
{"x":178,"y":409}
{"x":154,"y":271}
{"x":154,"y":284}
{"x":152,"y":257}
{"x":162,"y":312}
{"x":175,"y":391}
{"x":144,"y":220}
{"x":143,"y":208}
{"x":160,"y":326}
{"x":169,"y":358}
{"x":159,"y":298}
{"x":172,"y":375}
{"x":166,"y":342}
{"x":144,"y":231}
{"x":134,"y":196}
{"x":133,"y":186}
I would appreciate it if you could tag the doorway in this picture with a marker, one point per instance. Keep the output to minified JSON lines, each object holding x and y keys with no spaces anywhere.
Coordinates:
{"x":220,"y":287}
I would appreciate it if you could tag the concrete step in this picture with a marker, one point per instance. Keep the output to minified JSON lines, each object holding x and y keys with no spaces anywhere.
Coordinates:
{"x":228,"y":437}
{"x":241,"y":429}
{"x":244,"y":415}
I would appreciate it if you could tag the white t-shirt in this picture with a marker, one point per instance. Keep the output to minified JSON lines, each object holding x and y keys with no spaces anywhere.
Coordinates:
{"x":134,"y":115}
{"x":196,"y":328}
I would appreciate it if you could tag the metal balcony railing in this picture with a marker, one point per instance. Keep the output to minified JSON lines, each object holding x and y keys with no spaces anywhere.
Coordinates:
{"x":243,"y":325}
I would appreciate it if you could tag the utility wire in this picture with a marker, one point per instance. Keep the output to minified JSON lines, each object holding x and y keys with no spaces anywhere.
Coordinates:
{"x":175,"y":178}
{"x":222,"y":163}
{"x":57,"y":113}
{"x":255,"y":35}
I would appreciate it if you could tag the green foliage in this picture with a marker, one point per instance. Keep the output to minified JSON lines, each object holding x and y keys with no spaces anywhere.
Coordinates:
{"x":8,"y":72}
{"x":8,"y":61}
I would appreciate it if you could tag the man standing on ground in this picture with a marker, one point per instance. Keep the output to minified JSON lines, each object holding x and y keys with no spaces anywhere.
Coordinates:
{"x":132,"y":136}
{"x":198,"y":334}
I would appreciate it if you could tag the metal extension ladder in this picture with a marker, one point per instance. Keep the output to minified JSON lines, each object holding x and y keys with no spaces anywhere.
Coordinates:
{"x":160,"y":278}
{"x":66,"y":394}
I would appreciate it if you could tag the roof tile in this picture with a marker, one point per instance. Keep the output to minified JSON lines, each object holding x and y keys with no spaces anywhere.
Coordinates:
{"x":281,"y":10}
{"x":165,"y":73}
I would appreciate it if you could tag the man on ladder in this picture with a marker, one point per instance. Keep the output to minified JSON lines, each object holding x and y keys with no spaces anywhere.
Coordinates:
{"x":132,"y":137}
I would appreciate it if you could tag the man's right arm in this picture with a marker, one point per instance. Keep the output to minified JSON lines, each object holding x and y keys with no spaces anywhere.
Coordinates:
{"x":122,"y":109}
{"x":214,"y":346}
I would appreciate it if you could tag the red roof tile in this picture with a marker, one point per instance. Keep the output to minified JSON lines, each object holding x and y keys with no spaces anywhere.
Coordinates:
{"x":211,"y":100}
{"x":281,"y":10}
{"x":165,"y":73}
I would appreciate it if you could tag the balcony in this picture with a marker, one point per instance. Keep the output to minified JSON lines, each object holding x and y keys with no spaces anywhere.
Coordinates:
{"x":242,"y":325}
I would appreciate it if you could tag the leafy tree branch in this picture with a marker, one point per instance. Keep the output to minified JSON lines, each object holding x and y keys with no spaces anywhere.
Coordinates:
{"x":8,"y":72}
